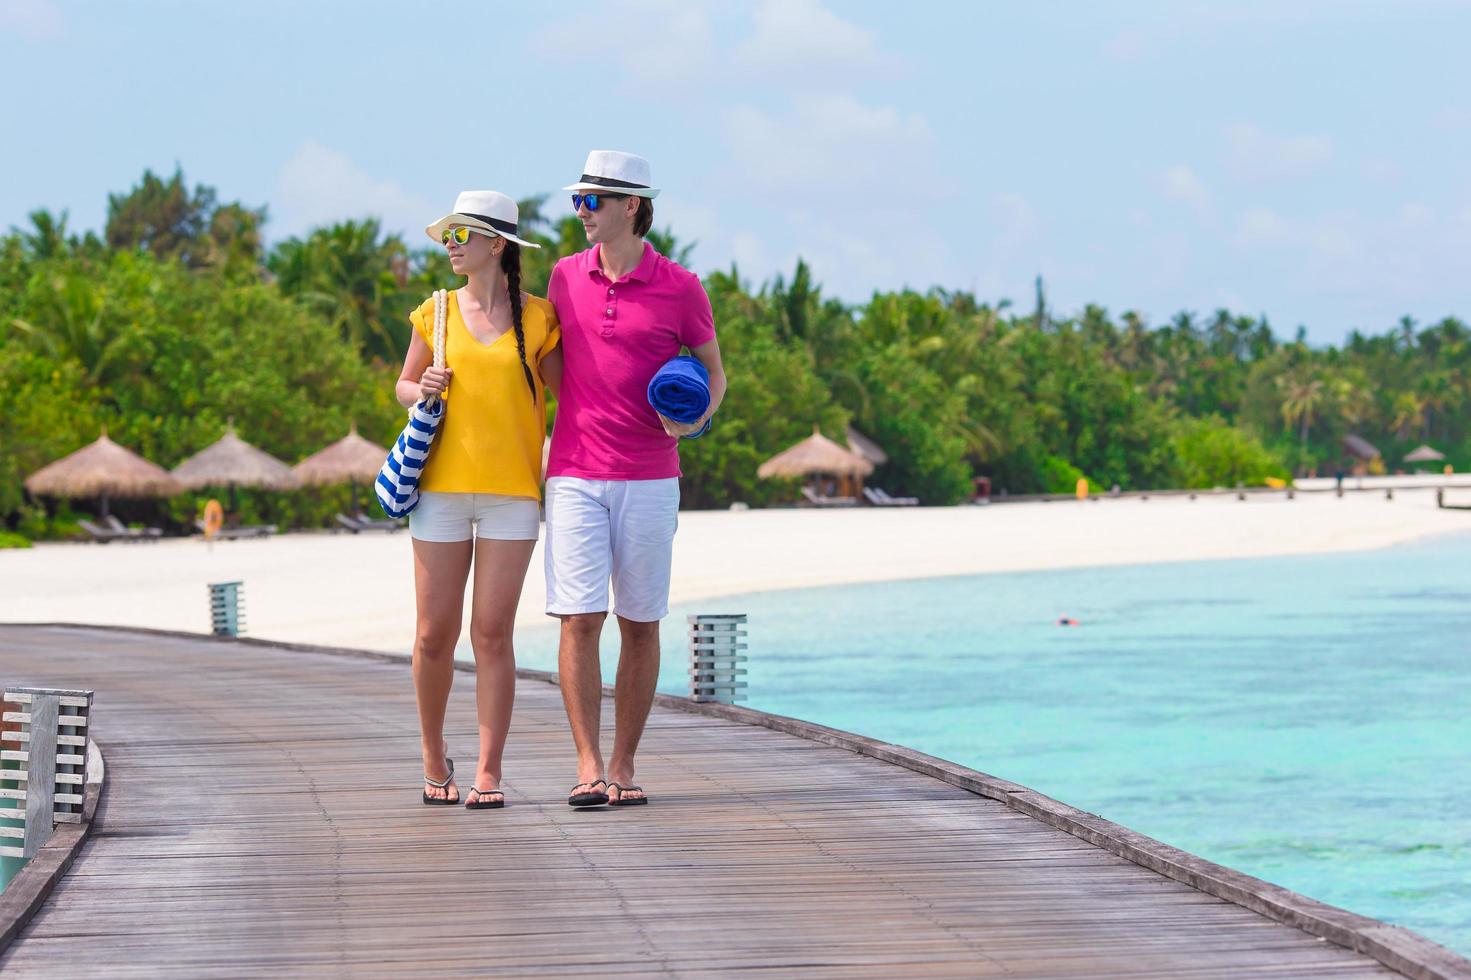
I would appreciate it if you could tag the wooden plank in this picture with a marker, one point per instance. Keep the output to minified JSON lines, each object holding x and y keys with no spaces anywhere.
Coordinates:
{"x":73,"y":700}
{"x":41,"y":772}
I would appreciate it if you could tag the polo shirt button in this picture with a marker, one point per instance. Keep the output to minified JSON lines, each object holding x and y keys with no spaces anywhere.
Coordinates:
{"x":609,"y":311}
{"x":610,"y":292}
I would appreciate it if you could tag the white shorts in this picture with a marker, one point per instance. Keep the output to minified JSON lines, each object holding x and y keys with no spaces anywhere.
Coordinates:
{"x":461,"y":516}
{"x":618,"y":530}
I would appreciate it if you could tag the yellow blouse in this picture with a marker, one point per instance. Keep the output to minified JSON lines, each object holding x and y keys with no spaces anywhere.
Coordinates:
{"x":491,"y":437}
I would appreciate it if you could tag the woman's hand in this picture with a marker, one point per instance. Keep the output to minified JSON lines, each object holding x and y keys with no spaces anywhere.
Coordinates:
{"x":435,"y":382}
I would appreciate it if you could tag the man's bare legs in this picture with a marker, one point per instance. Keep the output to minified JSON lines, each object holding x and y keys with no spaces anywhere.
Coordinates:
{"x":500,"y":571}
{"x":638,"y":675}
{"x":440,"y":571}
{"x":579,"y":666}
{"x":580,"y":672}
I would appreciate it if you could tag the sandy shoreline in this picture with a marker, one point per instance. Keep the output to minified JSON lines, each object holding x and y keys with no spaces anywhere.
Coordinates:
{"x":357,"y":591}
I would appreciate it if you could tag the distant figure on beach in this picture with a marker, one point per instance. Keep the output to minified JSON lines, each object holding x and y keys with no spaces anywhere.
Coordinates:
{"x":480,"y":490}
{"x":613,"y":472}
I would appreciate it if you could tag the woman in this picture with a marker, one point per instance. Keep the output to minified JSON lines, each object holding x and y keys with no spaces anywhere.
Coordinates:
{"x":479,"y":492}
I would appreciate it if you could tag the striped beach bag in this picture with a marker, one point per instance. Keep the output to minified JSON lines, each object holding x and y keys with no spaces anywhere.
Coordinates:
{"x":398,"y":481}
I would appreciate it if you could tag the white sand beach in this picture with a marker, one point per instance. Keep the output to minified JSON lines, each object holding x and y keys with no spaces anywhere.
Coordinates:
{"x":357,"y":591}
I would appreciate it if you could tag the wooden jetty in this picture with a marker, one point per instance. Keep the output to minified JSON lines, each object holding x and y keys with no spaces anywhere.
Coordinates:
{"x":261,"y":816}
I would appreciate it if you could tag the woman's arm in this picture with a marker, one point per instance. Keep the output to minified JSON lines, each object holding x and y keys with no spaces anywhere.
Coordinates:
{"x":551,"y":370}
{"x":420,"y":378}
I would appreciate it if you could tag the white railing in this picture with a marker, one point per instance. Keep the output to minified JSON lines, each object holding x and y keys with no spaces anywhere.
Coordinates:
{"x":45,"y":731}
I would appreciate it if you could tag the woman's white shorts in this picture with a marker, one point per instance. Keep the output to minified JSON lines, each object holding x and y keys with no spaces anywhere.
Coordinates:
{"x":618,"y":530}
{"x":461,"y":516}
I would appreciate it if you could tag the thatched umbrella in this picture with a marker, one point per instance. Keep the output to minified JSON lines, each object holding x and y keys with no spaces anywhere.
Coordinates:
{"x":866,"y":447}
{"x":813,"y":455}
{"x":1425,"y":454}
{"x":1359,"y":447}
{"x":103,"y":469}
{"x":351,"y":460}
{"x":232,"y":462}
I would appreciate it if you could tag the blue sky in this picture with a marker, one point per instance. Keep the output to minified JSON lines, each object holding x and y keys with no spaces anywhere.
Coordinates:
{"x":1310,"y":160}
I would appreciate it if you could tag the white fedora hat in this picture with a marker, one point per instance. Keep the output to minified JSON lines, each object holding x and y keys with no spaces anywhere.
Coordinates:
{"x":487,"y":210}
{"x":615,"y":172}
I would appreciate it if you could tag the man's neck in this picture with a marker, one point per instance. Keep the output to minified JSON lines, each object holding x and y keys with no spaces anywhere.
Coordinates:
{"x":619,"y":258}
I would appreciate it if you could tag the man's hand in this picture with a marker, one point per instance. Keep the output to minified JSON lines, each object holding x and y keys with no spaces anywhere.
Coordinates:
{"x":680,"y":429}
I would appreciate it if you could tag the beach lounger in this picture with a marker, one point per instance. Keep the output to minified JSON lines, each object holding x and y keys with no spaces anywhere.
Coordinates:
{"x":357,"y":523}
{"x":100,"y":534}
{"x":247,"y":531}
{"x":236,"y":533}
{"x":132,"y":533}
{"x":879,"y":497}
{"x":817,"y":500}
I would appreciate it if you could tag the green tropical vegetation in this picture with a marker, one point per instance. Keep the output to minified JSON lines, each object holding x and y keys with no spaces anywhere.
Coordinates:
{"x":179,"y":317}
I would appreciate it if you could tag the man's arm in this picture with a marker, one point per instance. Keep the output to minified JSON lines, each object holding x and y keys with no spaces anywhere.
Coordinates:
{"x":707,"y":354}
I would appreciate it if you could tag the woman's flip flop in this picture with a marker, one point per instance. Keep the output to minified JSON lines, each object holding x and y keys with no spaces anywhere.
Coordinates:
{"x":444,"y":785}
{"x":471,"y":803}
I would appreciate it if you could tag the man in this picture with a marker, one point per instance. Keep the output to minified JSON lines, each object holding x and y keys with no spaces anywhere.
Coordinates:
{"x":612,"y":494}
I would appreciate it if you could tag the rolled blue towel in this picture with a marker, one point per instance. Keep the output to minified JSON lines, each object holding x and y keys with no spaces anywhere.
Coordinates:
{"x":680,"y":390}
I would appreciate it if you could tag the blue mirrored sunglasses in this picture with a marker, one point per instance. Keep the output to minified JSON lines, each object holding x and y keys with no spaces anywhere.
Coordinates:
{"x":593,"y":201}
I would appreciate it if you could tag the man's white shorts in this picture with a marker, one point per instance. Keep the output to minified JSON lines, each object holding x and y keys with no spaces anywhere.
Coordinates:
{"x":448,"y":517}
{"x":621,"y":530}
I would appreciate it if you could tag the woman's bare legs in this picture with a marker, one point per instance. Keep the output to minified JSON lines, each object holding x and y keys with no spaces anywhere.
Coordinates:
{"x":440,"y":571}
{"x":500,"y":571}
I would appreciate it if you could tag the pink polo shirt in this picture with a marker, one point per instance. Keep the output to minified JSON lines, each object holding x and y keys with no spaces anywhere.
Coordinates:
{"x":615,"y":336}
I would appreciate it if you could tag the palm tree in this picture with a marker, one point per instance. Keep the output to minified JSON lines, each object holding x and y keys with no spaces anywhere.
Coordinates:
{"x":1302,"y":396}
{"x":48,"y":238}
{"x":1409,"y":413}
{"x":75,"y":328}
{"x":348,"y":272}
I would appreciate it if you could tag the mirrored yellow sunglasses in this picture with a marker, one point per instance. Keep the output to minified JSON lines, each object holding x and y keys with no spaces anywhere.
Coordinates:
{"x":461,"y":235}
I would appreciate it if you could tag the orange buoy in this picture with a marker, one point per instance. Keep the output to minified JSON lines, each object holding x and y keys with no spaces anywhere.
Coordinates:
{"x":214,"y":519}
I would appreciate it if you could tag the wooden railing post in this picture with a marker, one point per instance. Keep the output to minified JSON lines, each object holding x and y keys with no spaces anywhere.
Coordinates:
{"x":51,"y":729}
{"x":717,"y":643}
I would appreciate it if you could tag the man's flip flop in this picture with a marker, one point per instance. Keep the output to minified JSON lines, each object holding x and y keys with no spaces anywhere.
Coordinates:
{"x":444,"y":785}
{"x":622,"y":801}
{"x":471,"y":803}
{"x":591,"y":797}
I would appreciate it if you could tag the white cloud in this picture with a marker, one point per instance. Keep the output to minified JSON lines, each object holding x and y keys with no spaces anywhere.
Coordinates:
{"x":833,"y":143}
{"x":1127,"y":45}
{"x":662,"y":47}
{"x":1181,"y":184}
{"x":1261,"y":226}
{"x":34,"y":20}
{"x":1415,"y":215}
{"x":803,"y":37}
{"x":855,"y":259}
{"x":1258,"y":155}
{"x":1452,"y":118}
{"x":318,"y":186}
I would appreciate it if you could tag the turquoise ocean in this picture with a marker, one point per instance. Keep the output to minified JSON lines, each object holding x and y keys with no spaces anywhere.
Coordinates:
{"x":1303,"y":719}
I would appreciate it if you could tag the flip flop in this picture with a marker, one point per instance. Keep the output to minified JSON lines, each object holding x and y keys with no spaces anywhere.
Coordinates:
{"x":636,"y":801}
{"x":591,"y":797}
{"x":444,"y":785}
{"x":482,"y":804}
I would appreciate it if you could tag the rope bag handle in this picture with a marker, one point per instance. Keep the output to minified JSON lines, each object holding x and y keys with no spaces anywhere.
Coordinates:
{"x":441,"y":308}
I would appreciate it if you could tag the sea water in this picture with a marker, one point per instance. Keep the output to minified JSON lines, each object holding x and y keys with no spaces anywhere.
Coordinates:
{"x":1303,"y":719}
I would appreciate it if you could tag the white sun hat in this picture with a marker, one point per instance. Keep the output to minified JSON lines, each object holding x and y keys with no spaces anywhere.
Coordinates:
{"x":615,"y":172}
{"x":488,"y":210}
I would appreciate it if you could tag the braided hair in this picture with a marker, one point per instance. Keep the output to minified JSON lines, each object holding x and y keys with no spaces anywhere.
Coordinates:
{"x":511,"y":266}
